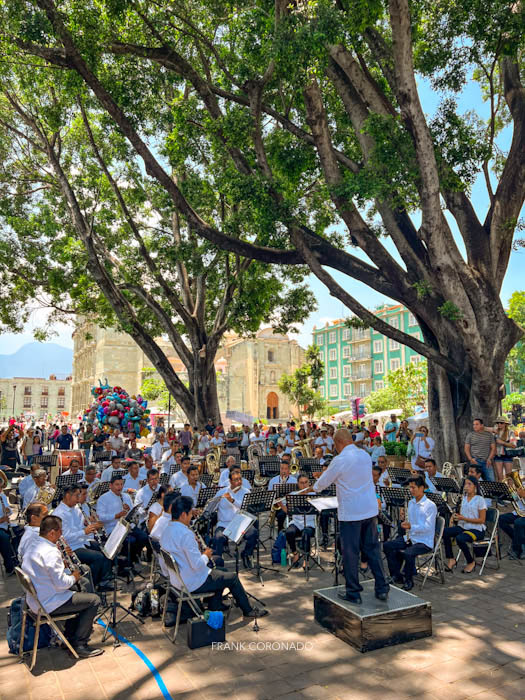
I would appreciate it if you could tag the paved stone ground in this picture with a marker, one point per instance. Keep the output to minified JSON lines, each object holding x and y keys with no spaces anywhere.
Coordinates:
{"x":477,"y":651}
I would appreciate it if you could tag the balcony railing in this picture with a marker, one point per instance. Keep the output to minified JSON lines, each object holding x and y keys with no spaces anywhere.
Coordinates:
{"x":361,"y":375}
{"x":360,"y":356}
{"x":358,"y":337}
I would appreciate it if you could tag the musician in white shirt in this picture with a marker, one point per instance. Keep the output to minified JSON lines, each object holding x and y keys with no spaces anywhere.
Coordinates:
{"x":420,"y":531}
{"x":6,"y":547}
{"x":27,"y":481}
{"x":431,"y":472}
{"x":224,"y":479}
{"x":351,"y":472}
{"x":467,"y":526}
{"x":284,"y":477}
{"x":77,"y":535}
{"x":31,"y":492}
{"x":181,"y":543}
{"x":34,"y":515}
{"x":44,"y":565}
{"x":144,"y":495}
{"x":180,"y":479}
{"x":132,"y":479}
{"x":229,"y":505}
{"x":171,"y":458}
{"x":193,"y":485}
{"x":159,"y":448}
{"x":325,"y":441}
{"x":300,"y":525}
{"x":116,"y":465}
{"x":74,"y":468}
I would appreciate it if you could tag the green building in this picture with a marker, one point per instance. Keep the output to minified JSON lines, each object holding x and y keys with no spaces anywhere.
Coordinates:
{"x":357,"y":360}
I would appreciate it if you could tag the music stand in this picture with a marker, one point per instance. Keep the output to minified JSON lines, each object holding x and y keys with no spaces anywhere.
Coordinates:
{"x":330,"y":491}
{"x":101,"y":456}
{"x":111,"y":551}
{"x":442,"y":505}
{"x":395,"y":498}
{"x":298,"y":504}
{"x":100,"y":488}
{"x":495,"y":490}
{"x":62,"y":482}
{"x":249,"y":475}
{"x":164,"y":479}
{"x":445,"y":484}
{"x":309,"y":463}
{"x":257,"y":502}
{"x":269,"y":469}
{"x":398,"y":475}
{"x":281,"y":490}
{"x":205,"y":495}
{"x":206,"y":479}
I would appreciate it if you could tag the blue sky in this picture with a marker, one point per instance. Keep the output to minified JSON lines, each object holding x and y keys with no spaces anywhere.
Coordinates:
{"x":328,"y":307}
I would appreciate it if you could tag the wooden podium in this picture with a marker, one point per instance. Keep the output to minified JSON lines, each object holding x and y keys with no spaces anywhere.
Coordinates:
{"x":373,"y":624}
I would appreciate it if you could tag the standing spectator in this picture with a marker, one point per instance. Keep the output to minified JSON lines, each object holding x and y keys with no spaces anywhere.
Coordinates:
{"x":37,"y":446}
{"x":391,"y":428}
{"x":204,"y":442}
{"x":53,"y":435}
{"x":85,"y":440}
{"x":210,"y":427}
{"x":505,"y":438}
{"x":377,"y":450}
{"x":26,"y":448}
{"x":185,"y":438}
{"x":480,"y":448}
{"x":404,"y":434}
{"x":159,"y":426}
{"x":9,"y":441}
{"x":423,"y":446}
{"x":64,"y":441}
{"x":117,"y":443}
{"x":232,"y":438}
{"x":245,"y":440}
{"x":99,"y":440}
{"x":217,"y":439}
{"x":172,"y":435}
{"x":195,"y":437}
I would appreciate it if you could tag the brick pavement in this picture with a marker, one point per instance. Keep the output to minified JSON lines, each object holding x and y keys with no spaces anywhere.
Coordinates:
{"x":477,"y":651}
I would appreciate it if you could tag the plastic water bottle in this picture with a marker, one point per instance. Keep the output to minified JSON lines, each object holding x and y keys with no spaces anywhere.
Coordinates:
{"x":284,"y":560}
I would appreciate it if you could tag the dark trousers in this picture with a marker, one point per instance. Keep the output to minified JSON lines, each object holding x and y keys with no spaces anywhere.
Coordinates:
{"x":280,"y":517}
{"x":137,"y":540}
{"x":99,"y":564}
{"x":514,"y":527}
{"x":463,"y":539}
{"x":78,"y":630}
{"x":398,"y":550}
{"x":292,"y":533}
{"x":324,"y":521}
{"x":219,"y":540}
{"x":354,"y":535}
{"x":217,"y":581}
{"x":6,"y":550}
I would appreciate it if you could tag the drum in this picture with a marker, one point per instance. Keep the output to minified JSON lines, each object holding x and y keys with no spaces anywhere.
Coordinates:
{"x":65,"y":457}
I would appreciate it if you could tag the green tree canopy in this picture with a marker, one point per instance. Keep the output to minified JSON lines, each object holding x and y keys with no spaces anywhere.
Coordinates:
{"x":515,"y":367}
{"x":302,"y":386}
{"x":405,"y":388}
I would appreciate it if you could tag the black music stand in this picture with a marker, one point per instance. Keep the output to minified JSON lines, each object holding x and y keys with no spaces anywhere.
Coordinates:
{"x":269,"y":469}
{"x":46,"y":460}
{"x":101,"y":456}
{"x":100,"y":488}
{"x":205,"y":495}
{"x":309,"y":463}
{"x":394,"y":498}
{"x":206,"y":479}
{"x":164,"y":479}
{"x":445,"y":484}
{"x":495,"y":490}
{"x":442,"y":506}
{"x":113,"y":554}
{"x":298,"y":504}
{"x":398,"y":475}
{"x":257,"y":502}
{"x":249,"y":475}
{"x":62,"y":482}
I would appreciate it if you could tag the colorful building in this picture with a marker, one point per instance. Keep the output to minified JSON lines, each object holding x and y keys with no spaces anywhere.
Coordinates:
{"x":356,"y":360}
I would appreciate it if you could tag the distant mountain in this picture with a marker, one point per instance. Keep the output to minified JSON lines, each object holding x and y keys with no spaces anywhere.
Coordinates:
{"x":37,"y":360}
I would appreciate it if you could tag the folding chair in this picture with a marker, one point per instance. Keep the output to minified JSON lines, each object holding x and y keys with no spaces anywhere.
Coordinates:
{"x":183,"y":595}
{"x":491,"y":538}
{"x":433,"y":559}
{"x":38,"y":618}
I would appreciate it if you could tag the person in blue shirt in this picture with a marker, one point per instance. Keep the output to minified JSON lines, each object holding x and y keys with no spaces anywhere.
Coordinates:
{"x":391,"y":428}
{"x":65,"y":440}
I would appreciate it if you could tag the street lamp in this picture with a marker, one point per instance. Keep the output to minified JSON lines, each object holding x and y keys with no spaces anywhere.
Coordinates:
{"x":14,"y":395}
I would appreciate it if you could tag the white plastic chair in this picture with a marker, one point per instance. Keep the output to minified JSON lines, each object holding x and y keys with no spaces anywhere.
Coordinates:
{"x":434,"y":558}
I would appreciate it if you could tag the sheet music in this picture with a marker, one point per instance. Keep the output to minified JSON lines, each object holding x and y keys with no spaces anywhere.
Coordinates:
{"x":324,"y":502}
{"x":238,"y":525}
{"x":114,"y":541}
{"x":212,"y":505}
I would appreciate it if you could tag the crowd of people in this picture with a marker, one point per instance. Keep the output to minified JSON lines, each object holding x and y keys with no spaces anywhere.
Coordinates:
{"x":160,"y":483}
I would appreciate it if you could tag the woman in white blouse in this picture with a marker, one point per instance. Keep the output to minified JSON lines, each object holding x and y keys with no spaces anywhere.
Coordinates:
{"x":422,"y":445}
{"x":470,"y":525}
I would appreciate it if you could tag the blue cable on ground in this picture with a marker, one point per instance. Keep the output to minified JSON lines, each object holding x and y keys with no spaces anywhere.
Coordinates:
{"x":142,"y":655}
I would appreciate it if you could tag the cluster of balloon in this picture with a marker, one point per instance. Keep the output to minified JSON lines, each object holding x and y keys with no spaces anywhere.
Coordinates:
{"x":113,"y":407}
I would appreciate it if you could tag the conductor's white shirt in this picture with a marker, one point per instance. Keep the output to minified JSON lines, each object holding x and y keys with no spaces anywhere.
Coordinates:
{"x":44,"y":566}
{"x":108,"y":505}
{"x":351,"y":472}
{"x":180,"y":542}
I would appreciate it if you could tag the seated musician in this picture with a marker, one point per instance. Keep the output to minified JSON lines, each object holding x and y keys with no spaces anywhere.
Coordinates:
{"x":284,"y":477}
{"x":171,"y":458}
{"x":165,"y":517}
{"x":181,"y":543}
{"x":229,"y":505}
{"x":132,"y":480}
{"x":90,"y":476}
{"x":44,"y":565}
{"x":133,"y":452}
{"x":225,"y":475}
{"x":89,"y":515}
{"x":384,"y":479}
{"x":144,"y":495}
{"x":477,"y":471}
{"x":116,"y":465}
{"x":431,"y":471}
{"x":193,"y":485}
{"x":27,"y":481}
{"x":420,"y":530}
{"x":112,"y":506}
{"x":302,"y":526}
{"x":319,"y":454}
{"x":31,"y":492}
{"x":77,"y":535}
{"x":376,"y":476}
{"x":272,"y":451}
{"x":513,"y":525}
{"x":74,"y":468}
{"x":34,"y":514}
{"x":156,"y":509}
{"x":180,"y":478}
{"x":6,"y":546}
{"x":467,"y":526}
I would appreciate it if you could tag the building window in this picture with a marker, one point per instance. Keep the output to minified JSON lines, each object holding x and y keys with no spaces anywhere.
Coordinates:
{"x":27,"y":391}
{"x":378,"y":346}
{"x":395,"y":363}
{"x":346,"y":371}
{"x":320,"y":340}
{"x":346,"y":351}
{"x":394,"y":322}
{"x":379,"y":385}
{"x":346,"y":389}
{"x":61,"y":391}
{"x":378,"y":367}
{"x":61,"y":402}
{"x":272,"y":405}
{"x":415,"y":359}
{"x":346,"y":333}
{"x":270,"y":355}
{"x":27,"y":402}
{"x":332,"y":337}
{"x":332,"y":355}
{"x":394,"y":345}
{"x":43,"y":402}
{"x":333,"y":390}
{"x":412,"y":320}
{"x":362,"y":389}
{"x":272,"y":377}
{"x":321,"y":391}
{"x":333,"y":372}
{"x":45,"y":391}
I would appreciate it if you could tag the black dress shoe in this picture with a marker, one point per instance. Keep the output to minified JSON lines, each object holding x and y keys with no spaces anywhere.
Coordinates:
{"x":256,"y":612}
{"x":408,"y":585}
{"x":382,"y":596}
{"x":86,"y":652}
{"x":350,"y":598}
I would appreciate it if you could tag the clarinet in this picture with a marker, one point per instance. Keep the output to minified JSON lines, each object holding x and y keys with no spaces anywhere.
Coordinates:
{"x":154,"y":498}
{"x":202,"y":545}
{"x":87,"y":522}
{"x":71,"y":561}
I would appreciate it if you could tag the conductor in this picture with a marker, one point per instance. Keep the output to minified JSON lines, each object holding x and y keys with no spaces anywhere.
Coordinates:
{"x":357,"y":509}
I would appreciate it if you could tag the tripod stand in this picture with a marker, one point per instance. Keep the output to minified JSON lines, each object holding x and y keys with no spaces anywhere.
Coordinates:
{"x":256,"y":503}
{"x":297,"y":504}
{"x":111,"y":550}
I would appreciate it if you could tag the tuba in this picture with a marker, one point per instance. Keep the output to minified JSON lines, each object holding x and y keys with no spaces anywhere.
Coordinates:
{"x":296,"y":452}
{"x":45,"y":494}
{"x":514,"y":482}
{"x":213,"y":463}
{"x":255,"y":452}
{"x":306,"y":447}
